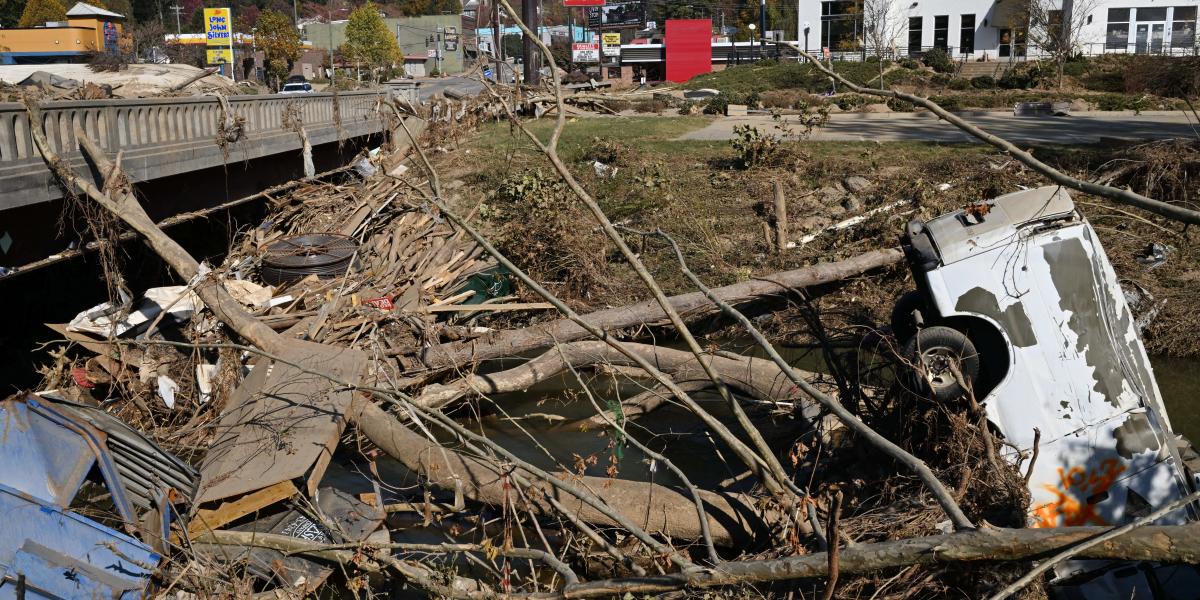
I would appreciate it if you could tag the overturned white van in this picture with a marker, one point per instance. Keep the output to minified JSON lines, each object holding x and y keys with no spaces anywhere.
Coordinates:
{"x":1016,"y":296}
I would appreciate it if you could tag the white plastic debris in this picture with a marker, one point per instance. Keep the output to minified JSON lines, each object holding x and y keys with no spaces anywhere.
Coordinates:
{"x":603,"y":170}
{"x":206,"y":375}
{"x":364,"y":168}
{"x":103,"y":320}
{"x":166,"y":390}
{"x":943,"y":187}
{"x":248,"y":293}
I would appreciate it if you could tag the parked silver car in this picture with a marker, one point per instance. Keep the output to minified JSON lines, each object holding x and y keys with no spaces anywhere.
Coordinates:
{"x":297,"y":88}
{"x":1017,"y":300}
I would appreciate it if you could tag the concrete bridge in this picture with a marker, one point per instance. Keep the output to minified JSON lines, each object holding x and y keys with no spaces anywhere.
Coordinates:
{"x":174,"y":150}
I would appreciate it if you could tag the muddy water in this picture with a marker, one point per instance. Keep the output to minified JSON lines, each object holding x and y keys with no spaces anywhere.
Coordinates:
{"x":539,"y":424}
{"x":1179,"y":382}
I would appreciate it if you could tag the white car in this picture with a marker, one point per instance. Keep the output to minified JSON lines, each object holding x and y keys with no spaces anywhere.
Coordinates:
{"x":1017,"y":296}
{"x":297,"y":88}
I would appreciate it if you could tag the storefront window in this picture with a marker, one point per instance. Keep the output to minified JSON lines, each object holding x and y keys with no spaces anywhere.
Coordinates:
{"x":1117,"y":37}
{"x":842,"y":25}
{"x":914,"y":35}
{"x":1183,"y":27}
{"x":966,"y":38}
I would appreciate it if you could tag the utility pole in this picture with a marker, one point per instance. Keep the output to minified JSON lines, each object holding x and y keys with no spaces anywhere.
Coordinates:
{"x":295,"y":16}
{"x":529,"y":13}
{"x":762,"y":24}
{"x":497,"y":41}
{"x":329,"y":28}
{"x":176,"y":8}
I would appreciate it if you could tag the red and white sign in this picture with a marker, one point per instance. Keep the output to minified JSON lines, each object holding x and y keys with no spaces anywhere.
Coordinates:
{"x":585,"y":52}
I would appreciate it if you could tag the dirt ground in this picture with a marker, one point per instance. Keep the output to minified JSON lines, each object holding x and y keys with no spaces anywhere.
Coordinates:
{"x":699,"y":194}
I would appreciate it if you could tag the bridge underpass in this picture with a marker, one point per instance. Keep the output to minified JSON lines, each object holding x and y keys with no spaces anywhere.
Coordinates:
{"x":182,"y":171}
{"x":175,"y":151}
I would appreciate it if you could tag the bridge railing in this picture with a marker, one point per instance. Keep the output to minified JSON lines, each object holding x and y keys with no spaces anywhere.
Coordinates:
{"x":131,"y":124}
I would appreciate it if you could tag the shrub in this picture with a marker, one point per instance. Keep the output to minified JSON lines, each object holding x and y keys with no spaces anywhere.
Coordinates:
{"x":938,"y":60}
{"x":1163,"y":76}
{"x":786,"y":99}
{"x":950,"y":103}
{"x":1110,"y":102}
{"x":909,"y":63}
{"x":716,"y":105}
{"x":537,"y":219}
{"x":1075,"y":68}
{"x":850,"y":102}
{"x":960,"y":84}
{"x":983,"y":82}
{"x":940,"y":80}
{"x":752,"y":146}
{"x":1022,"y":76}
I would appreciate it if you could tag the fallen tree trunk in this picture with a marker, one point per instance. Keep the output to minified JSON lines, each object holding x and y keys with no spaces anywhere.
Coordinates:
{"x":754,"y":377}
{"x":690,"y":306}
{"x":734,"y":519}
{"x":1172,"y":544}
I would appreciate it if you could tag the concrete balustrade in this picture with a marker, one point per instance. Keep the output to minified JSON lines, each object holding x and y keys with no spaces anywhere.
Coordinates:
{"x":161,"y":137}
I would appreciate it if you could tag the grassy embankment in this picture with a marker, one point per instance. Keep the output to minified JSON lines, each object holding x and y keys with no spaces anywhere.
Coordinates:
{"x":695,"y":191}
{"x":1105,"y":83}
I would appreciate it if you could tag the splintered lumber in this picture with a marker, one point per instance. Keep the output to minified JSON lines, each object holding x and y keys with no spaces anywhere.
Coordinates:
{"x":690,"y":306}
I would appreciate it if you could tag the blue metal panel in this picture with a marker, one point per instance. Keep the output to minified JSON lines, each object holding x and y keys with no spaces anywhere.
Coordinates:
{"x":39,"y":457}
{"x":64,"y":555}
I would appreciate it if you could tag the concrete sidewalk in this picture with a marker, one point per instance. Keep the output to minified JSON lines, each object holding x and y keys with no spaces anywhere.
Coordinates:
{"x":1080,"y":128}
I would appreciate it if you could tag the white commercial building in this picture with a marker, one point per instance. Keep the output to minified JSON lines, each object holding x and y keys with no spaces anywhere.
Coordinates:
{"x":994,"y":28}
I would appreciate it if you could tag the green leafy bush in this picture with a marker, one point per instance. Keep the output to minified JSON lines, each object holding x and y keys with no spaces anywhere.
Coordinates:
{"x":959,"y":84}
{"x":938,"y":60}
{"x":909,"y":63}
{"x":983,"y":82}
{"x":753,"y":147}
{"x":850,"y":102}
{"x":950,"y":103}
{"x":716,"y":105}
{"x":1022,"y":76}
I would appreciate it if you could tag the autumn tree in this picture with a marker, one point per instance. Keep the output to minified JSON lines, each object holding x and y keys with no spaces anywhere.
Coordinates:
{"x":368,"y":40}
{"x":280,"y":43}
{"x":39,"y":12}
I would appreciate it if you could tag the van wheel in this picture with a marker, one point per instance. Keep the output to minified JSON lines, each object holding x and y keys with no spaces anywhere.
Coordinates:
{"x":904,"y":325}
{"x":934,"y":352}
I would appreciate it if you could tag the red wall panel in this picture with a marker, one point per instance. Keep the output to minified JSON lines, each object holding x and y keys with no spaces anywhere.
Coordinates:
{"x":688,"y":48}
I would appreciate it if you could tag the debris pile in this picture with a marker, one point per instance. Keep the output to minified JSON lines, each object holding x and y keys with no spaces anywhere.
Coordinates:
{"x":330,"y":410}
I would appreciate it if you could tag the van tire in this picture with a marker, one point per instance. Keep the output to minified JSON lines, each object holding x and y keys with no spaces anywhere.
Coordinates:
{"x":904,"y":325}
{"x":930,"y":353}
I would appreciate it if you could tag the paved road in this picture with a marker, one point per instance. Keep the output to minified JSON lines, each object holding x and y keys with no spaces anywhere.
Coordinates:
{"x":1082,"y":128}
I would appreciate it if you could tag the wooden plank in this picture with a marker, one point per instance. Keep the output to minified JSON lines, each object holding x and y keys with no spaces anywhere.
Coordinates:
{"x":229,"y":511}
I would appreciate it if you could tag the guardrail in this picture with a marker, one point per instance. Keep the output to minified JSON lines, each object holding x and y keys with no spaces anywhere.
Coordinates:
{"x":134,"y":124}
{"x":161,"y":137}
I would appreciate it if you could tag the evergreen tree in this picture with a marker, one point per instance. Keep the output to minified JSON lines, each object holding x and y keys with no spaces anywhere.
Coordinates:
{"x":10,"y":12}
{"x":369,"y":41}
{"x":39,"y":12}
